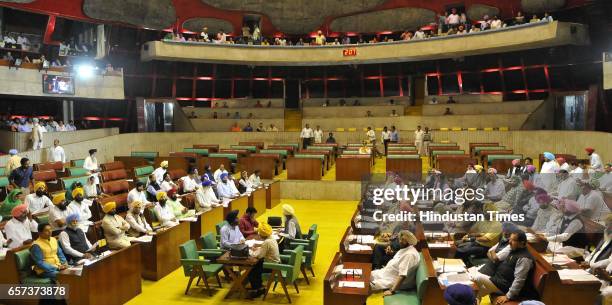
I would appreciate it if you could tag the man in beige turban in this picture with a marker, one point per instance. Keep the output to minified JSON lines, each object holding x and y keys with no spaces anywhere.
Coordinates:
{"x":400,"y":271}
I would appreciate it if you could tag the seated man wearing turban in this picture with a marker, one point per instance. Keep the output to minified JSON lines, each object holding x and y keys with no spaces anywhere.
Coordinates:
{"x":266,"y":252}
{"x":225,"y":188}
{"x":58,"y":213}
{"x":81,"y":206}
{"x":495,"y":188}
{"x":180,"y":211}
{"x":500,"y":251}
{"x":459,"y":294}
{"x":46,"y":254}
{"x":292,"y":226}
{"x":115,"y":227}
{"x":571,"y":227}
{"x":515,"y":170}
{"x":74,"y":242}
{"x":159,"y":172}
{"x":400,"y":272}
{"x":547,"y":217}
{"x":19,"y":229}
{"x":591,"y":202}
{"x":38,"y":203}
{"x":138,"y":223}
{"x":205,"y":198}
{"x":547,"y":173}
{"x":230,"y":232}
{"x":163,"y":212}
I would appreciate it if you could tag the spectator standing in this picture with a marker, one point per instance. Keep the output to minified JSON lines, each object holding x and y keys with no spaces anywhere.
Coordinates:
{"x":318,"y":135}
{"x":37,"y":135}
{"x":426,"y":141}
{"x":394,"y":135}
{"x":418,"y":139}
{"x":307,"y":134}
{"x":319,"y":38}
{"x":58,"y":152}
{"x":453,"y":18}
{"x":386,"y":137}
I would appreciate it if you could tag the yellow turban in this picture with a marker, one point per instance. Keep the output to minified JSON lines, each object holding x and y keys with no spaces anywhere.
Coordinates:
{"x":59,"y":198}
{"x":137,"y":204}
{"x":478,"y":168}
{"x":164,"y":164}
{"x":40,"y":184}
{"x":264,"y":230}
{"x":489,"y":207}
{"x":78,"y":191}
{"x":161,"y":195}
{"x":288,"y":210}
{"x":109,"y":206}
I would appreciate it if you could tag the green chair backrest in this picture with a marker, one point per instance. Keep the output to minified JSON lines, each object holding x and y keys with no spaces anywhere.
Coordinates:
{"x":4,"y":181}
{"x":78,"y":163}
{"x":282,"y":152}
{"x":199,"y":151}
{"x":295,"y":145}
{"x":477,"y":149}
{"x":143,"y":170}
{"x":402,"y":148}
{"x":354,"y":144}
{"x":77,"y":171}
{"x":232,"y":157}
{"x":296,"y":261}
{"x":3,"y":171}
{"x":503,"y":157}
{"x":149,"y":155}
{"x":306,"y":156}
{"x":421,"y":278}
{"x":326,"y":148}
{"x":312,"y":230}
{"x":144,"y":179}
{"x":208,"y":241}
{"x":313,"y":242}
{"x":250,"y":148}
{"x":24,"y":263}
{"x":219,"y":226}
{"x":68,"y":181}
{"x":442,"y":144}
{"x":403,"y":157}
{"x":447,"y":152}
{"x":189,"y":250}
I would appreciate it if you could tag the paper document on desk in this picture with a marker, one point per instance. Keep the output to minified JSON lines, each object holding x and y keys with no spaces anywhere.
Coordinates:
{"x":253,"y":242}
{"x":357,"y":272}
{"x":449,"y":265}
{"x":358,"y":247}
{"x":438,"y":245}
{"x":560,"y":259}
{"x":350,"y":284}
{"x":144,"y":239}
{"x":226,"y":202}
{"x":189,"y":219}
{"x":576,"y":275}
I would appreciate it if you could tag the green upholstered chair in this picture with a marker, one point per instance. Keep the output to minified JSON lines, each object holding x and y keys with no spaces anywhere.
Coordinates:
{"x":77,"y":163}
{"x":288,"y":271}
{"x":76,"y":171}
{"x":194,"y":267}
{"x":4,"y":181}
{"x":210,"y":247}
{"x":414,"y":296}
{"x":310,"y":253}
{"x":24,"y":267}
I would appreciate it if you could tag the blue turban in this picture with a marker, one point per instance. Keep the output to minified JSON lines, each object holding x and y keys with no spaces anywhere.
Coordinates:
{"x":549,"y":156}
{"x":72,"y":217}
{"x":224,"y":175}
{"x":459,"y":294}
{"x":531,"y":303}
{"x":13,"y":152}
{"x":509,"y":227}
{"x":206,"y":183}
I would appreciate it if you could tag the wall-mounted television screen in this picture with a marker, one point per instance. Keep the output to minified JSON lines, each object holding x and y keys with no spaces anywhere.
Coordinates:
{"x":58,"y":84}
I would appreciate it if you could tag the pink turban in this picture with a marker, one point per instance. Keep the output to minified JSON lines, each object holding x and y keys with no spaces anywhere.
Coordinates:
{"x":516,"y":162}
{"x":543,"y":198}
{"x":19,"y":210}
{"x":528,"y":185}
{"x":531,"y":168}
{"x":571,"y":206}
{"x":560,"y":160}
{"x":492,"y":170}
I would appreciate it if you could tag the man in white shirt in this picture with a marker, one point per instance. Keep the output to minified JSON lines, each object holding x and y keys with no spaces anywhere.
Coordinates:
{"x":605,"y":181}
{"x":91,"y":164}
{"x":418,"y":139}
{"x":205,"y":198}
{"x":595,"y":160}
{"x":371,"y":136}
{"x":138,"y":194}
{"x":58,"y":212}
{"x":19,"y":229}
{"x":566,"y":186}
{"x":306,"y":135}
{"x":225,"y":189}
{"x":220,"y":171}
{"x":160,"y":171}
{"x":37,"y":135}
{"x":495,"y":188}
{"x":81,"y":206}
{"x":453,"y":18}
{"x":547,"y":173}
{"x":163,"y":211}
{"x":74,"y":243}
{"x":318,"y":134}
{"x":58,"y":154}
{"x":496,"y":23}
{"x":591,"y":201}
{"x":38,"y":203}
{"x":204,"y":35}
{"x":190,"y":182}
{"x":419,"y":34}
{"x":254,"y":179}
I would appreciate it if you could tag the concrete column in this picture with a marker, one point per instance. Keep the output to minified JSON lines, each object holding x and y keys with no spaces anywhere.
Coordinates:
{"x":67,"y":111}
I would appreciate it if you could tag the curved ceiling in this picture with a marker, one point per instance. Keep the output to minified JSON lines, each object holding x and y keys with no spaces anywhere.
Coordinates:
{"x":278,"y":16}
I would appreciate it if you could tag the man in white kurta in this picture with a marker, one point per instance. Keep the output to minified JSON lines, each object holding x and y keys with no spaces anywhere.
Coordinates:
{"x":58,"y":154}
{"x":160,"y":171}
{"x":306,"y":135}
{"x":566,"y":186}
{"x":206,"y":198}
{"x":595,"y":160}
{"x":547,"y":173}
{"x":217,"y":174}
{"x":138,"y":194}
{"x":19,"y":229}
{"x":400,"y":271}
{"x":37,"y":135}
{"x":37,"y":202}
{"x":418,"y":139}
{"x":318,"y":135}
{"x":91,"y":164}
{"x":591,"y":201}
{"x":81,"y":206}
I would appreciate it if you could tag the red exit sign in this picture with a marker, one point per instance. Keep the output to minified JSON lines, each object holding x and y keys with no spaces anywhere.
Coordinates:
{"x":349,"y":52}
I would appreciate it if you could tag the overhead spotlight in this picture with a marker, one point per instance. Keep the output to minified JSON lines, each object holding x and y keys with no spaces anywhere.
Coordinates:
{"x":85,"y":71}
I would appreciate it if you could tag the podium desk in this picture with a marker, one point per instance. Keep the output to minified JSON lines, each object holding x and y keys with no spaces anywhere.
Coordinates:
{"x":113,"y":279}
{"x":161,"y":256}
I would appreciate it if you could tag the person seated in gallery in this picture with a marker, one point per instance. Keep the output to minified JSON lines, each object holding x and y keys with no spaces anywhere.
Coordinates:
{"x":46,"y":254}
{"x":74,"y":243}
{"x":115,"y":227}
{"x":400,"y":272}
